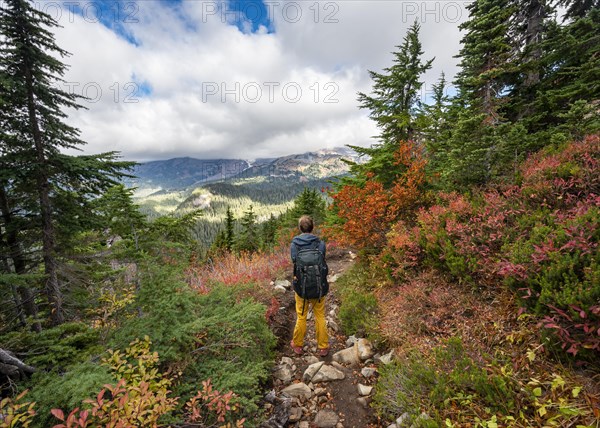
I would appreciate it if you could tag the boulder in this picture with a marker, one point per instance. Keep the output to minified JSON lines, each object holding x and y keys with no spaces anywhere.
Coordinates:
{"x":364,"y":389}
{"x":298,"y":390}
{"x":326,"y":419}
{"x":387,"y":358}
{"x":403,"y":420}
{"x":283,"y":373}
{"x":333,"y":325}
{"x":351,"y":341}
{"x":295,"y":414}
{"x":347,"y":356}
{"x":311,"y":359}
{"x":287,"y":360}
{"x":311,"y":371}
{"x":283,"y":283}
{"x":278,"y":289}
{"x":368,"y":372}
{"x":328,"y":374}
{"x":364,"y":349}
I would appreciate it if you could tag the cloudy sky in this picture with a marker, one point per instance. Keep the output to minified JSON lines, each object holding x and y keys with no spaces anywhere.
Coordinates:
{"x":243,"y":79}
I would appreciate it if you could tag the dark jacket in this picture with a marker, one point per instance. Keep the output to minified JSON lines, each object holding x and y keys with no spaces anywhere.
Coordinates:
{"x":307,"y":240}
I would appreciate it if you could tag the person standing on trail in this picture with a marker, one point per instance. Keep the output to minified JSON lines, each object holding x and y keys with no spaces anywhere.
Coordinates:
{"x":310,"y":285}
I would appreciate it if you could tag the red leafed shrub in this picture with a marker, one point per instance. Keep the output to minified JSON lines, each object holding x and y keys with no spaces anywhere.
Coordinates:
{"x":233,"y":269}
{"x":539,"y":237}
{"x":366,"y":212}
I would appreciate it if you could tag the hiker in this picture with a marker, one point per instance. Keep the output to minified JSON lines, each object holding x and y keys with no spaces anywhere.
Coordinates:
{"x":310,"y":285}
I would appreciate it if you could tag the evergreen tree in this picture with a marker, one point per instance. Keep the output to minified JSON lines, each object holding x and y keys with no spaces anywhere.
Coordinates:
{"x":34,"y":133}
{"x":229,"y":236}
{"x":473,"y":145}
{"x":394,"y":105}
{"x":436,"y":128}
{"x":485,"y":54}
{"x":572,"y":71}
{"x":248,"y":239}
{"x":309,"y":202}
{"x":269,"y":231}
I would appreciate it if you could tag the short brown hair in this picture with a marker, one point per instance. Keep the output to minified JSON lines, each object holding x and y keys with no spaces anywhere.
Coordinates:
{"x":306,"y":224}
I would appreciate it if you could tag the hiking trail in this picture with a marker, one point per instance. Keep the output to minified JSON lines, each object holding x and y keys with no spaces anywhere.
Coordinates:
{"x":309,"y":391}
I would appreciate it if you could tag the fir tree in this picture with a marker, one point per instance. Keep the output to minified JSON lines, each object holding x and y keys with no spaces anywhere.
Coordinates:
{"x":229,"y":237}
{"x":394,"y":105}
{"x":248,"y":236}
{"x":34,"y":132}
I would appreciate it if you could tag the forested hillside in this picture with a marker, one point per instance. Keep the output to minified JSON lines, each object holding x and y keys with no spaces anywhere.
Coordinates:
{"x":475,"y":221}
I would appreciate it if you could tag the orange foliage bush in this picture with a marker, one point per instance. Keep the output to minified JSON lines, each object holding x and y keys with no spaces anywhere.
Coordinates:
{"x":366,"y":212}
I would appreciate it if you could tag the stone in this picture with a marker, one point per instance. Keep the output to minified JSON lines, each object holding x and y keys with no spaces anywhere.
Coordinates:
{"x":333,"y":325}
{"x":326,"y":419}
{"x":332,"y":278}
{"x":283,"y":283}
{"x":278,"y":289}
{"x":328,"y":374}
{"x":364,"y":389}
{"x":387,"y":358}
{"x":298,"y":390}
{"x":295,"y":414}
{"x":337,"y":365}
{"x":287,"y":360}
{"x":339,"y":425}
{"x":332,"y":313}
{"x":392,"y":426}
{"x":403,"y":420}
{"x":351,"y":341}
{"x":363,"y":401}
{"x":311,"y":371}
{"x":309,"y":316}
{"x":322,"y":399}
{"x":272,"y":283}
{"x":368,"y":372}
{"x":352,"y":255}
{"x":304,"y":424}
{"x":311,"y":359}
{"x":283,"y":373}
{"x":347,"y":356}
{"x":419,"y":422}
{"x":364,"y":348}
{"x":319,"y":391}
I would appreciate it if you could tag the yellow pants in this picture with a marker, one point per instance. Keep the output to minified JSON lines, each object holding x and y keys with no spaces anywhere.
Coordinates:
{"x":318,"y":307}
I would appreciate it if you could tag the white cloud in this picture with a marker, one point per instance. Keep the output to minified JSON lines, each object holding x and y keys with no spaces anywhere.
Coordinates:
{"x":188,"y":56}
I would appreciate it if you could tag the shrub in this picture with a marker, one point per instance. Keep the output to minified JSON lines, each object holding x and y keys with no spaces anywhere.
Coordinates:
{"x":358,"y":311}
{"x":450,"y":382}
{"x":217,"y":335}
{"x":539,"y":237}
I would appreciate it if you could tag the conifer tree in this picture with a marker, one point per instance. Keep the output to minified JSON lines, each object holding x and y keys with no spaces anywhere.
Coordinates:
{"x":394,"y":105}
{"x":248,"y":239}
{"x":436,"y":128}
{"x":229,"y":237}
{"x":34,"y":132}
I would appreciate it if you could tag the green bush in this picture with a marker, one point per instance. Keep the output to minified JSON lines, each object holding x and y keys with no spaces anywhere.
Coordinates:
{"x":450,"y":380}
{"x":55,"y":348}
{"x":358,"y":311}
{"x":51,"y":390}
{"x":216,"y":336}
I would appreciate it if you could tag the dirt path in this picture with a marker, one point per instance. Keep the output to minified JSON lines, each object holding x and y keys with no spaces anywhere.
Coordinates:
{"x":313,"y":402}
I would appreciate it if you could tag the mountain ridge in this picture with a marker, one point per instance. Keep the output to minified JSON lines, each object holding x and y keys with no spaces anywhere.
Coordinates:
{"x":185,"y":172}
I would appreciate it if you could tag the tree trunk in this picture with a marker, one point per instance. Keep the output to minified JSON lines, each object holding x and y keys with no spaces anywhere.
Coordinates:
{"x":25,"y":297}
{"x":533,"y":33}
{"x":43,"y":188}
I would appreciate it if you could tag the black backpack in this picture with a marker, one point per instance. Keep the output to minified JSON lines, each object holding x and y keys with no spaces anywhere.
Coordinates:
{"x":310,"y":270}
